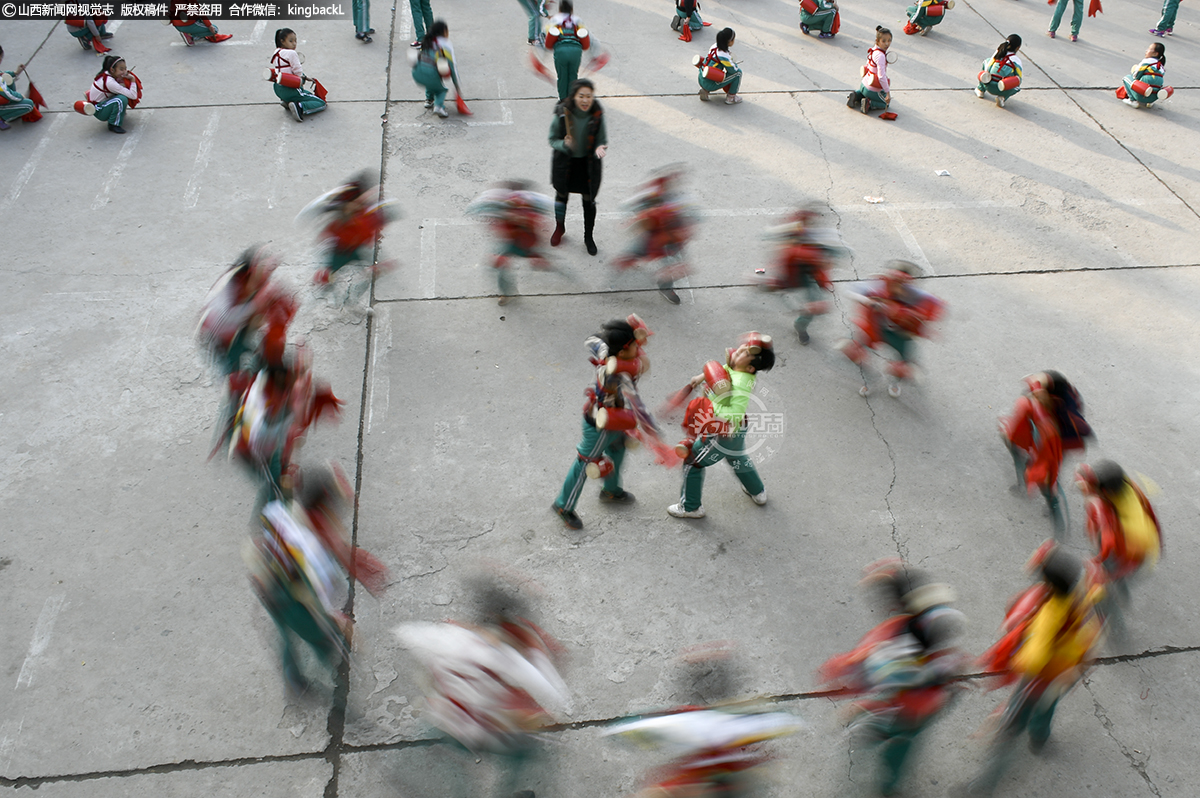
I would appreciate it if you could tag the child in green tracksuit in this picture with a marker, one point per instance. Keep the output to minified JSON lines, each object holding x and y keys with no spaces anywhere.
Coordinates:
{"x":286,"y":60}
{"x":1144,"y":83}
{"x":719,"y":441}
{"x":819,"y":15}
{"x":436,"y":55}
{"x":1166,"y":23}
{"x":719,"y":58}
{"x":1004,"y":64}
{"x":602,"y":450}
{"x":13,"y":104}
{"x":875,"y":90}
{"x":568,"y":47}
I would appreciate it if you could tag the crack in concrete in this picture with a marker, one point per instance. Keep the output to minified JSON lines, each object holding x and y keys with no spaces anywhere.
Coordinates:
{"x":901,"y":548}
{"x":1138,"y":766}
{"x":336,"y":749}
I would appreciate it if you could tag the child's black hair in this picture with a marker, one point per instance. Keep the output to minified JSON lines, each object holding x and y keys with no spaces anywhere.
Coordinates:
{"x":881,"y":31}
{"x":1008,"y":47}
{"x":282,"y":34}
{"x":566,"y":7}
{"x":1061,"y":570}
{"x":1160,"y":50}
{"x":618,"y":334}
{"x":725,"y":38}
{"x":763,"y":361}
{"x":1110,"y":477}
{"x":437,"y":29}
{"x":109,"y":62}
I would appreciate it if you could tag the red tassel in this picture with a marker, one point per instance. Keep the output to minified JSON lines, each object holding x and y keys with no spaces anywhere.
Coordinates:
{"x":461,"y":105}
{"x":837,"y":22}
{"x":539,"y":69}
{"x":1121,"y":93}
{"x":1095,"y":8}
{"x":318,"y":89}
{"x":32,"y":116}
{"x":36,"y":96}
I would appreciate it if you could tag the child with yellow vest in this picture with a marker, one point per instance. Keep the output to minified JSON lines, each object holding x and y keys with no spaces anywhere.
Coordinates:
{"x":1050,"y":631}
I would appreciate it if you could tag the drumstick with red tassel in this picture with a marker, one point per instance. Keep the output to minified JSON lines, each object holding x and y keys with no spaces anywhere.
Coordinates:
{"x":676,"y":401}
{"x":539,"y":69}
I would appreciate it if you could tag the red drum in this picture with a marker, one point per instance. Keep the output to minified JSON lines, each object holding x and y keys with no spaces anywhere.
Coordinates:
{"x":615,"y":365}
{"x":615,"y":419}
{"x":716,"y":378}
{"x":84,"y":107}
{"x":757,"y":342}
{"x":808,"y":6}
{"x":684,"y":448}
{"x":599,"y":469}
{"x":935,"y":10}
{"x":985,"y":77}
{"x":584,"y":39}
{"x":283,"y":78}
{"x":1143,"y":88}
{"x":1165,"y":92}
{"x":713,"y":74}
{"x":1009,"y":83}
{"x":552,"y":34}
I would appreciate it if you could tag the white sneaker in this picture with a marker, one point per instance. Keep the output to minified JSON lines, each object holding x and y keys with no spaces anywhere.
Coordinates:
{"x":894,"y":389}
{"x":979,"y":92}
{"x":1000,"y":102}
{"x":759,"y":498}
{"x":441,"y":111}
{"x":732,"y":99}
{"x":677,"y":511}
{"x":704,"y":95}
{"x":864,"y":391}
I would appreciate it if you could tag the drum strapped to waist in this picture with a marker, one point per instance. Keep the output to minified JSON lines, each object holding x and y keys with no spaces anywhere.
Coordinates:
{"x":1009,"y":83}
{"x":708,"y":72}
{"x":1145,"y":89}
{"x":935,"y":10}
{"x":716,"y":378}
{"x":283,"y":78}
{"x":443,"y":66}
{"x":615,"y":419}
{"x":808,"y":6}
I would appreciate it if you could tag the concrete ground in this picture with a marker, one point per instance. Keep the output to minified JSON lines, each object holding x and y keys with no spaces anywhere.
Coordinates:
{"x":1063,"y":237}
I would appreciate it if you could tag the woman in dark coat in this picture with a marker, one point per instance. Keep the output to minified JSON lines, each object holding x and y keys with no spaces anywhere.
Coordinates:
{"x":579,"y":139}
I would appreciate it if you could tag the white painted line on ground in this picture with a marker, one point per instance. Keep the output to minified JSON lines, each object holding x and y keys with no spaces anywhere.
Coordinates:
{"x":26,"y":172}
{"x":8,"y":744}
{"x":406,"y":27}
{"x":41,"y":639}
{"x":280,"y":158}
{"x":687,"y":286}
{"x":914,"y":249}
{"x":505,"y":111}
{"x":385,"y":381}
{"x":202,"y":152}
{"x":260,"y":28}
{"x":428,"y":274}
{"x":114,"y":174}
{"x":112,"y":26}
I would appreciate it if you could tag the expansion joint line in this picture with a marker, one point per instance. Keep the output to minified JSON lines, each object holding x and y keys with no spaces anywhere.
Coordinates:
{"x":341,"y":748}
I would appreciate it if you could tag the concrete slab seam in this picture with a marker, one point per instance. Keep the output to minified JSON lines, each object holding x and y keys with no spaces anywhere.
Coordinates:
{"x":1102,"y":716}
{"x":345,"y":748}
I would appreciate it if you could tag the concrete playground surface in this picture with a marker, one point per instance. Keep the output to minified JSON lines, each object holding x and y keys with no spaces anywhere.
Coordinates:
{"x":139,"y":663}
